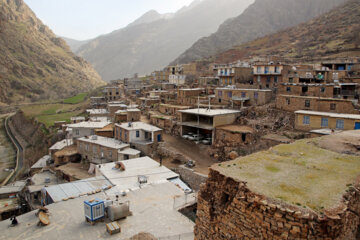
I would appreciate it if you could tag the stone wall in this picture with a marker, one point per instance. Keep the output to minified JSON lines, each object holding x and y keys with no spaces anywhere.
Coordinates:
{"x":228,"y":209}
{"x":190,"y":177}
{"x":295,"y":103}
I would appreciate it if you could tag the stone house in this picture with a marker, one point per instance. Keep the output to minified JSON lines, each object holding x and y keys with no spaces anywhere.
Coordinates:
{"x":128,"y":115}
{"x":142,"y":136}
{"x":242,"y":97}
{"x":268,"y":75}
{"x":97,"y":149}
{"x":162,"y":121}
{"x":112,"y":93}
{"x":310,"y":120}
{"x":83,"y":129}
{"x":233,"y":136}
{"x":172,"y":110}
{"x":294,"y":103}
{"x":229,"y":74}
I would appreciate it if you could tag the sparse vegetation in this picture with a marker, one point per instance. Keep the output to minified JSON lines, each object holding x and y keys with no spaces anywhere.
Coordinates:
{"x":76,"y":99}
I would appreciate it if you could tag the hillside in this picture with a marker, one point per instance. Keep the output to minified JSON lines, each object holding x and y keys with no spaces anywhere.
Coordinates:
{"x":34,"y":63}
{"x":144,"y":47}
{"x":334,"y":34}
{"x":261,"y":18}
{"x":74,"y":44}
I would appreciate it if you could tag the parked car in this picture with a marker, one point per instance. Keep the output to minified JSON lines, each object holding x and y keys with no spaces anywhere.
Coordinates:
{"x":198,"y":137}
{"x":186,"y":136}
{"x":206,"y":141}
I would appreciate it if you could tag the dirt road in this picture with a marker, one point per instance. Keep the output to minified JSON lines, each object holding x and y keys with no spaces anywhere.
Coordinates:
{"x":196,"y":152}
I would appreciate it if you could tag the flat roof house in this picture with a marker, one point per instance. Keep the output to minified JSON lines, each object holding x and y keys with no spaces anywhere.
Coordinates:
{"x":311,"y":120}
{"x":140,"y":135}
{"x":205,"y":121}
{"x":97,"y":149}
{"x":82,"y":129}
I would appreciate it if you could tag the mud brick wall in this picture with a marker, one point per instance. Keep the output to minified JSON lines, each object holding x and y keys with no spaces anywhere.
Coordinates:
{"x":228,"y":209}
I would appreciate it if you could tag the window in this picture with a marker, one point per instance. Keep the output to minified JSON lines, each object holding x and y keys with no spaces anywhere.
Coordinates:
{"x":268,"y":79}
{"x":102,"y":152}
{"x":243,"y":94}
{"x":110,"y":154}
{"x":277,"y":69}
{"x":220,"y":93}
{"x":291,"y":80}
{"x":230,"y":82}
{"x":339,"y":124}
{"x":288,"y":89}
{"x":92,"y":132}
{"x":307,"y":103}
{"x":332,"y":106}
{"x":306,"y":120}
{"x":80,"y":146}
{"x":322,"y":89}
{"x":324,"y":122}
{"x":77,"y":132}
{"x":288,"y":101}
{"x":125,"y":135}
{"x":94,"y":149}
{"x":276,"y":79}
{"x":259,"y":79}
{"x":87,"y":147}
{"x":137,"y":134}
{"x":266,"y":69}
{"x":120,"y":133}
{"x":230,"y":94}
{"x":256,"y":95}
{"x":258,"y":69}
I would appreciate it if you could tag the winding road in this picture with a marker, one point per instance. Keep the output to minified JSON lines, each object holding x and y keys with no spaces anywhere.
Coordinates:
{"x":19,"y":153}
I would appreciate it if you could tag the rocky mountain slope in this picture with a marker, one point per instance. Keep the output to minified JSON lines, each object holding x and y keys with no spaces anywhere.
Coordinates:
{"x":34,"y":63}
{"x":333,"y":34}
{"x":261,"y":18}
{"x":145,"y":47}
{"x":74,"y":44}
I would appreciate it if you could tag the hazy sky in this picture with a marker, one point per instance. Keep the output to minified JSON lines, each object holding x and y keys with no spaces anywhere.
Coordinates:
{"x":85,"y":19}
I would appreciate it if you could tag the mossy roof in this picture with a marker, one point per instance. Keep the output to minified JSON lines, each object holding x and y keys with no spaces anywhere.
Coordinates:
{"x":300,"y":173}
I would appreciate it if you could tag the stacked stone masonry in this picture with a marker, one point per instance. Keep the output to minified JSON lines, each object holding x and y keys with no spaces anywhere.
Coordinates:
{"x":228,"y":209}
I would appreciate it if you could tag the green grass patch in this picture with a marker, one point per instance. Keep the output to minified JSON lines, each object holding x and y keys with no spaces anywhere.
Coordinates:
{"x":49,"y":120}
{"x":272,"y":169}
{"x":76,"y":99}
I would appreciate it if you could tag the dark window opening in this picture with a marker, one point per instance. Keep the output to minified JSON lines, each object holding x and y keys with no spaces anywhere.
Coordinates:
{"x":307,"y":103}
{"x":243,"y":137}
{"x":225,"y":198}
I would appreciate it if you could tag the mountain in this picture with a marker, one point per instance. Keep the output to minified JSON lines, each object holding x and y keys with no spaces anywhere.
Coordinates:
{"x":74,"y":44}
{"x":34,"y":63}
{"x":334,"y":34}
{"x":145,"y":47}
{"x":150,"y":16}
{"x":261,"y":18}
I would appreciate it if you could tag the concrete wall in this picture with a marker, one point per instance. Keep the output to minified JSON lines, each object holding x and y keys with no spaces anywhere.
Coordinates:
{"x":227,"y":119}
{"x":316,"y":104}
{"x":315,"y":123}
{"x":228,"y":209}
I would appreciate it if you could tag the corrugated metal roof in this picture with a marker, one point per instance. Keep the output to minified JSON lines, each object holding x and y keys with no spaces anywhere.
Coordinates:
{"x":75,"y":189}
